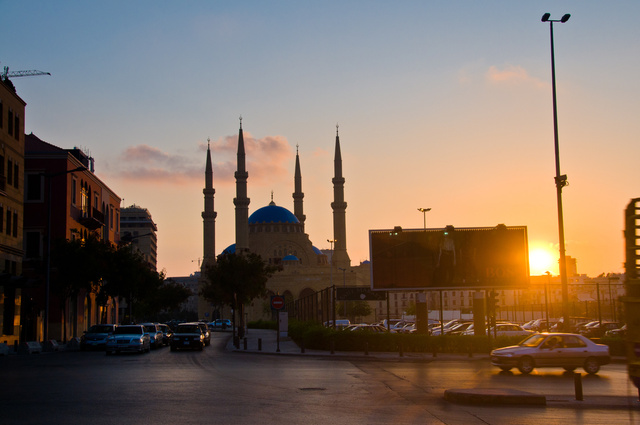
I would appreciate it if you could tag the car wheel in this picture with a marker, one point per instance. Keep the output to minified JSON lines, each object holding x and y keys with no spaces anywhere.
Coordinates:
{"x":526,"y":365}
{"x":591,"y":365}
{"x":505,"y":368}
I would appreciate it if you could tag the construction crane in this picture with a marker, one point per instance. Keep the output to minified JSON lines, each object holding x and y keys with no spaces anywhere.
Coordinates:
{"x":6,"y":74}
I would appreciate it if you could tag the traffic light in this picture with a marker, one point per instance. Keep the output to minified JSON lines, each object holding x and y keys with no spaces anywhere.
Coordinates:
{"x":492,"y":302}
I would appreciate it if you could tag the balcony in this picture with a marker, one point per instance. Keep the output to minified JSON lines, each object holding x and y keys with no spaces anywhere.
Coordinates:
{"x":94,"y":221}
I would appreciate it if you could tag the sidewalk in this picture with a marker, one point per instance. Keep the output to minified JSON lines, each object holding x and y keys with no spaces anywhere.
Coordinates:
{"x":263,"y":341}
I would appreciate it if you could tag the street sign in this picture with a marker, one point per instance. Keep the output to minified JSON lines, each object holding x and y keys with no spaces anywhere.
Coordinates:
{"x":277,"y":302}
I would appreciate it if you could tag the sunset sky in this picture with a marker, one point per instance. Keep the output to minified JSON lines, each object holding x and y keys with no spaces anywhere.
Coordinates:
{"x":445,"y":105}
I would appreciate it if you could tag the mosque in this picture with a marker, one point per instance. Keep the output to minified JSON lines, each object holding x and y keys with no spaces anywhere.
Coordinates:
{"x":278,"y":236}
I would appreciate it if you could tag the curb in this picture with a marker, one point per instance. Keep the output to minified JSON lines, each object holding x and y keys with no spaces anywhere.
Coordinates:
{"x":494,"y":396}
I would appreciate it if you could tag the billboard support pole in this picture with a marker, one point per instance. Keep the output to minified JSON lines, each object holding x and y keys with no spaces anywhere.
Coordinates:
{"x":441,"y":315}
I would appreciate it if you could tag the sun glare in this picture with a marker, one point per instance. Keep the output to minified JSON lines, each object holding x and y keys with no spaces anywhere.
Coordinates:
{"x":541,"y":261}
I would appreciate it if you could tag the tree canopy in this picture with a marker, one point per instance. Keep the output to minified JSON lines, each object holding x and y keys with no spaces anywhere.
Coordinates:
{"x":109,"y":271}
{"x":236,"y":279}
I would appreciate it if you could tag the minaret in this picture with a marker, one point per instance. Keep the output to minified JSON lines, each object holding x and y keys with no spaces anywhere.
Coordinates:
{"x":298,"y":195}
{"x":241,"y":201}
{"x":339,"y":206}
{"x":209,"y":215}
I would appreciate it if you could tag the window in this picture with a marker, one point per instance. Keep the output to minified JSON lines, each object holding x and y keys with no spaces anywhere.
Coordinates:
{"x":74,"y":190}
{"x":10,"y":122}
{"x":16,"y":129}
{"x":34,"y":192}
{"x":1,"y":218}
{"x":15,"y":224}
{"x":10,"y":171}
{"x":84,"y":200}
{"x":16,"y":175}
{"x":111,"y":217}
{"x":8,"y":227}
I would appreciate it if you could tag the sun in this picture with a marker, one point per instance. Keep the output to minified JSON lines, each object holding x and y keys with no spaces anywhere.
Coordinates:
{"x":542,"y":260}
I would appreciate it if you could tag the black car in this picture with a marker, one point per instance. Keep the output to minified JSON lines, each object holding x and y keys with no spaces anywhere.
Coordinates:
{"x":187,"y":336}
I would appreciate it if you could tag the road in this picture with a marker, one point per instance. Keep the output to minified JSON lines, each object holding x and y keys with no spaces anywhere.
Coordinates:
{"x":221,"y":387}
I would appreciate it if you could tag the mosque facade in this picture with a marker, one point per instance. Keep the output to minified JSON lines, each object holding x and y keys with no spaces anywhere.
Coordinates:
{"x":278,"y":236}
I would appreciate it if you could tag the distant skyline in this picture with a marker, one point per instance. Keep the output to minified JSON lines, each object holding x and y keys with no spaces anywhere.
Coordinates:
{"x":442,"y":105}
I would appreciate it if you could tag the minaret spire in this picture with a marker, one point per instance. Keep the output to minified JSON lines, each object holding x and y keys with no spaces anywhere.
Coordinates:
{"x":209,"y":215}
{"x":298,"y":195}
{"x":339,"y":206}
{"x":241,"y":201}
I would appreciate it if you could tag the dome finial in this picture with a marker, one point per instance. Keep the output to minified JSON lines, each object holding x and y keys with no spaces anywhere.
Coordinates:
{"x":240,"y":122}
{"x":337,"y":126}
{"x":272,"y":203}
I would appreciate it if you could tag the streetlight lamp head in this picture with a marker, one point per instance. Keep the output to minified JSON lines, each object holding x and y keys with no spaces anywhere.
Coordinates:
{"x":546,"y":17}
{"x":565,"y":18}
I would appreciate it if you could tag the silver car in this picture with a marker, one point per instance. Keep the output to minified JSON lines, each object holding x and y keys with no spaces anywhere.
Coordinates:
{"x":128,"y":338}
{"x":568,"y":351}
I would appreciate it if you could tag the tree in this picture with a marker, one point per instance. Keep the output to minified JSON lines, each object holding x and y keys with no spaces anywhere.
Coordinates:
{"x":355,"y":309}
{"x":236,"y":279}
{"x":99,"y":267}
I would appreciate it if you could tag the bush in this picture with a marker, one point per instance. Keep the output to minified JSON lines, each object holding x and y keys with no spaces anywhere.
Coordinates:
{"x":315,"y":336}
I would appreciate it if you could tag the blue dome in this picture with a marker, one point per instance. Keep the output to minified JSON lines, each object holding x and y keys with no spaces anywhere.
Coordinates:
{"x":273,"y":214}
{"x":290,"y":258}
{"x":231,"y":249}
{"x":316,"y":250}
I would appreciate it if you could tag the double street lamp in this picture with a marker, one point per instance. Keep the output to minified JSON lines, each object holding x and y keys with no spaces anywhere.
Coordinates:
{"x":561,"y":180}
{"x":424,"y":212}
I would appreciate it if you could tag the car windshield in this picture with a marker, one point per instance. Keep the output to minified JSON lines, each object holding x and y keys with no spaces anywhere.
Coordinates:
{"x":188,"y":329}
{"x":121,"y":330}
{"x":532,"y":341}
{"x":100,"y":329}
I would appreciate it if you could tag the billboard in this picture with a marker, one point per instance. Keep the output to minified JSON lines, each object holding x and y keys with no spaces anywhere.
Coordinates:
{"x":448,"y":258}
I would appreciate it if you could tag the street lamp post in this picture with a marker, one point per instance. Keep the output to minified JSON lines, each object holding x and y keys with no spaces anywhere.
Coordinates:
{"x":424,"y":212}
{"x":47,"y":289}
{"x":560,"y":180}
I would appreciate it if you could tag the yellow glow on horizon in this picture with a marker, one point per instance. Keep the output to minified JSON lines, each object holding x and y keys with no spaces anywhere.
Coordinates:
{"x":542,"y":260}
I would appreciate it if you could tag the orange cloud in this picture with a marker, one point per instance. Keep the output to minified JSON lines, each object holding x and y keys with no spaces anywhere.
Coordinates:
{"x":267,"y":157}
{"x":511,"y":75}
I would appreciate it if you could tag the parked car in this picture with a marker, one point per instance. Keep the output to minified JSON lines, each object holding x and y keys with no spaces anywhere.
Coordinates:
{"x":367,"y":328}
{"x":220,"y":324}
{"x":128,"y":338}
{"x":187,"y":336}
{"x":597,"y":331}
{"x":166,"y":333}
{"x":96,"y":337}
{"x":565,"y":350}
{"x":622,"y":331}
{"x":340,"y":324}
{"x":573,"y":324}
{"x":155,"y":334}
{"x":205,"y":332}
